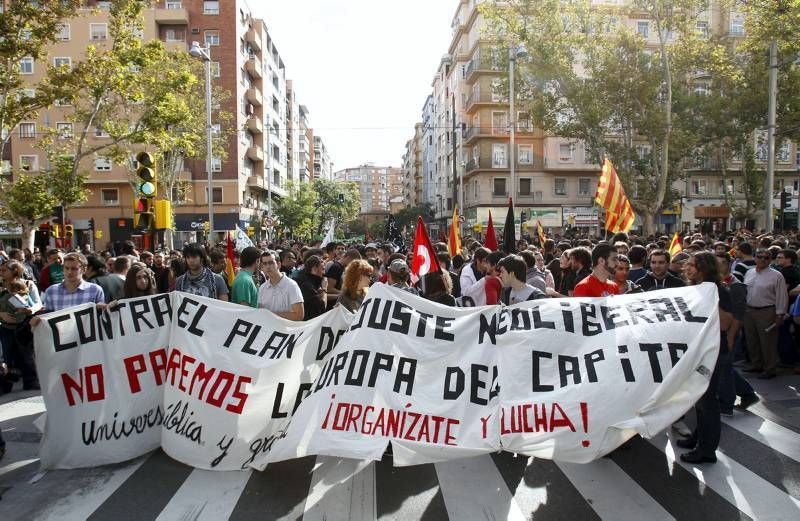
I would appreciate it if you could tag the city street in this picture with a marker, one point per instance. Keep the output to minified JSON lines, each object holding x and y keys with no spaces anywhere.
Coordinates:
{"x":757,"y":476}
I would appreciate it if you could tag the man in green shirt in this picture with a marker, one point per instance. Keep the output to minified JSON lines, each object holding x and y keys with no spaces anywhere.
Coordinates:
{"x":244,"y":290}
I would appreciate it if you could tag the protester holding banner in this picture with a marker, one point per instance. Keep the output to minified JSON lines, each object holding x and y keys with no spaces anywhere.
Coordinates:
{"x":244,"y":290}
{"x":279,"y":293}
{"x":658,"y":277}
{"x":702,"y":267}
{"x":199,"y":279}
{"x":73,"y":291}
{"x":437,"y":287}
{"x":473,"y":272}
{"x":357,"y":279}
{"x":139,"y":281}
{"x":314,"y":287}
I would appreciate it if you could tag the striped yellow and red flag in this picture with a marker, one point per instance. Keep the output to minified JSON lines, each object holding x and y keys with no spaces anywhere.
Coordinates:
{"x":675,"y":245}
{"x":230,"y":274}
{"x":611,"y":197}
{"x":540,"y":233}
{"x":454,"y":240}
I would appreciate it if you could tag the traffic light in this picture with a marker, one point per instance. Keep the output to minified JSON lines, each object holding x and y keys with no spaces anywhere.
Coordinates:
{"x":56,"y":231}
{"x":341,"y":198}
{"x":163,"y":215}
{"x":251,"y":231}
{"x":143,"y":217}
{"x":91,"y":223}
{"x":785,"y":199}
{"x":69,"y":231}
{"x":146,"y":172}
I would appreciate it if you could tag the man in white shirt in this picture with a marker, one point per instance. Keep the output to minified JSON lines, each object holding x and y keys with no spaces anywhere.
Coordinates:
{"x":473,"y":272}
{"x":279,"y":293}
{"x":767,"y":301}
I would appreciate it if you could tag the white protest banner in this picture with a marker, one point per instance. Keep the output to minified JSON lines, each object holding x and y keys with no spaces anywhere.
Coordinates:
{"x":235,"y":376}
{"x":578,"y":377}
{"x":410,"y":371}
{"x":101,"y":374}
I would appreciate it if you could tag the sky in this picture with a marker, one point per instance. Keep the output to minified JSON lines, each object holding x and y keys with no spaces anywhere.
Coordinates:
{"x":363,"y":68}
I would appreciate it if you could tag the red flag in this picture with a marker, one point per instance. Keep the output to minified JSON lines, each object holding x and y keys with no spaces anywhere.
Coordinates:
{"x":491,"y":238}
{"x":229,"y":273}
{"x":425,"y":260}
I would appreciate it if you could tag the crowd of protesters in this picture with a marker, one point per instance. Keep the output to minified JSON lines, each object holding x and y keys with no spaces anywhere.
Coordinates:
{"x":757,"y":277}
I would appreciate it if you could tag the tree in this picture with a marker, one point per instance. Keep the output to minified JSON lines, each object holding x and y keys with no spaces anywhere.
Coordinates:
{"x":594,"y":80}
{"x":298,"y":211}
{"x":339,"y":201}
{"x":26,"y":31}
{"x":407,"y":217}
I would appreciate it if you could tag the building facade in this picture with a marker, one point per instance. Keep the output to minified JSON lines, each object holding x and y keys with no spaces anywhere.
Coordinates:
{"x":377,"y":186}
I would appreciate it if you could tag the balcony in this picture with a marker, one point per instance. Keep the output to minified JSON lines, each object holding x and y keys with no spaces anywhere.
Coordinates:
{"x":255,"y":125}
{"x":255,"y":153}
{"x":254,"y":39}
{"x":254,"y":97}
{"x":255,"y":181}
{"x":474,"y":133}
{"x":477,"y":65}
{"x":477,"y":97}
{"x":175,"y":45}
{"x":253,"y":66}
{"x":172,"y":16}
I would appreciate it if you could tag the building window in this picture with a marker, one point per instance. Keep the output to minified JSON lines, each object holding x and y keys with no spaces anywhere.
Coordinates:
{"x":211,"y":7}
{"x":737,"y":26}
{"x":217,"y":193}
{"x":525,"y":186}
{"x":730,"y":189}
{"x":499,"y":123}
{"x":524,"y":122}
{"x":27,"y":130}
{"x":583,"y":187}
{"x":782,"y":152}
{"x":64,"y":130}
{"x":215,"y":71}
{"x":566,"y":152}
{"x":702,"y":29}
{"x":699,"y":187}
{"x":26,"y":65}
{"x":643,"y":28}
{"x":29,"y":163}
{"x":499,"y":155}
{"x":525,"y":154}
{"x":174,"y":4}
{"x":175,"y":35}
{"x":212,"y":37}
{"x":216,"y":164}
{"x":109,"y":196}
{"x":63,"y":33}
{"x":102,"y":163}
{"x":100,"y":133}
{"x":499,"y":186}
{"x":560,"y":186}
{"x":62,"y":61}
{"x":98,"y":31}
{"x":643,"y":151}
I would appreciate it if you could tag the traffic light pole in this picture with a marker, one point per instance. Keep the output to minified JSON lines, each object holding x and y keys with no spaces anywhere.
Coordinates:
{"x":209,"y":142}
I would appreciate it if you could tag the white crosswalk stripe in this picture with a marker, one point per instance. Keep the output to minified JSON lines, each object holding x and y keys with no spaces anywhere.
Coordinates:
{"x":498,"y":487}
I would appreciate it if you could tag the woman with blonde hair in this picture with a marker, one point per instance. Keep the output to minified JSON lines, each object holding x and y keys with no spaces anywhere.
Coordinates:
{"x":355,"y":283}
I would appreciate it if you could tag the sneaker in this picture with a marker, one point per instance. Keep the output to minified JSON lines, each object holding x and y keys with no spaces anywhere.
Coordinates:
{"x":728,"y":414}
{"x":681,"y":428}
{"x":747,"y":401}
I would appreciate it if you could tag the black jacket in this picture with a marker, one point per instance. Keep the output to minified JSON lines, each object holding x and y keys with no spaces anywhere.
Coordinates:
{"x":313,"y":303}
{"x":650,"y":283}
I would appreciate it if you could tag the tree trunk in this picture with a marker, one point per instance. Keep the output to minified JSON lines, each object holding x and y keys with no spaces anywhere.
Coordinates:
{"x":28,"y":236}
{"x":648,"y":224}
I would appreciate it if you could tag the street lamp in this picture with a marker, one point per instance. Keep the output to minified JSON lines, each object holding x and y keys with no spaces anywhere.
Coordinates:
{"x":204,"y":53}
{"x":514,"y":53}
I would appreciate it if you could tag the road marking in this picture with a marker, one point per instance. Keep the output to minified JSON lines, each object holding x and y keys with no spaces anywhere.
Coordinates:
{"x":341,"y":489}
{"x":206,"y":495}
{"x":474,"y":489}
{"x":744,"y":489}
{"x":767,"y":432}
{"x":11,"y":467}
{"x":612,"y":493}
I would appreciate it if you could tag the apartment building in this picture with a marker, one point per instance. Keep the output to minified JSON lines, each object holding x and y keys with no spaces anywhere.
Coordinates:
{"x":323,"y":167}
{"x":244,"y":61}
{"x":555,"y":178}
{"x":412,"y":169}
{"x":377,"y":185}
{"x":305,"y":152}
{"x":292,"y":134}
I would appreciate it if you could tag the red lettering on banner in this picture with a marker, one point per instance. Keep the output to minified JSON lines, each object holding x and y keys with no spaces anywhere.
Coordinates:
{"x":137,"y":364}
{"x":89,"y":387}
{"x":390,"y":423}
{"x":539,"y":417}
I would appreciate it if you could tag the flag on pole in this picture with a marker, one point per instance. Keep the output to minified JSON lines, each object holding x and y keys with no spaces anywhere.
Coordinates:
{"x":611,"y":197}
{"x":675,"y":245}
{"x":393,"y":234}
{"x":329,"y":234}
{"x":229,"y":272}
{"x":491,"y":237}
{"x":540,"y":233}
{"x":425,"y":260}
{"x":454,"y":241}
{"x":509,"y":237}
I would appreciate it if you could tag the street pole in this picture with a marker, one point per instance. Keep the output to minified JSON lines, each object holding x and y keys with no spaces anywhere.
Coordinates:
{"x":209,"y":143}
{"x":455,"y":166}
{"x":773,"y":95}
{"x":512,"y":60}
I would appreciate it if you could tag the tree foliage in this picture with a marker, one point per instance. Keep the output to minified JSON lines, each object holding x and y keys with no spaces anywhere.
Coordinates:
{"x":330,"y":206}
{"x":298,"y":212}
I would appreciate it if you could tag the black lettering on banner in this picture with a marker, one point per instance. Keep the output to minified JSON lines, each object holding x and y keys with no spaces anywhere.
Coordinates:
{"x":590,"y":359}
{"x":139,"y":309}
{"x":569,"y":366}
{"x":494,"y":387}
{"x":610,"y":313}
{"x":162,"y":314}
{"x":327,"y":341}
{"x":93,"y":432}
{"x":383,"y":362}
{"x":361,"y":355}
{"x":488,"y":328}
{"x":676,"y":351}
{"x":84,"y":336}
{"x":520,"y":320}
{"x":663,"y":308}
{"x":453,"y":375}
{"x":358,"y":321}
{"x":224,"y":448}
{"x":402,"y":314}
{"x":423,"y":323}
{"x":302,"y":391}
{"x":687,"y":313}
{"x":636,"y":310}
{"x":538,"y":323}
{"x":627,"y":368}
{"x":276,"y":405}
{"x":443,"y":323}
{"x":538,"y":387}
{"x":566,"y":314}
{"x":373,"y":322}
{"x":652,"y":351}
{"x":57,"y":345}
{"x":243,"y":328}
{"x":183,"y":310}
{"x":590,"y":328}
{"x":406,"y":369}
{"x":477,"y":383}
{"x":341,"y":360}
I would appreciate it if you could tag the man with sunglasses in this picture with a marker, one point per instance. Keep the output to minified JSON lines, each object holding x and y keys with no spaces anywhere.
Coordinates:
{"x":767,"y":301}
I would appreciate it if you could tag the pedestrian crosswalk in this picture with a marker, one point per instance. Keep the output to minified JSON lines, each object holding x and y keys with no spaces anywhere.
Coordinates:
{"x":757,"y":476}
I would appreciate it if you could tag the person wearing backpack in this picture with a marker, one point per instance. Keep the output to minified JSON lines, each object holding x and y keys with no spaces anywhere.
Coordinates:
{"x":512,"y":270}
